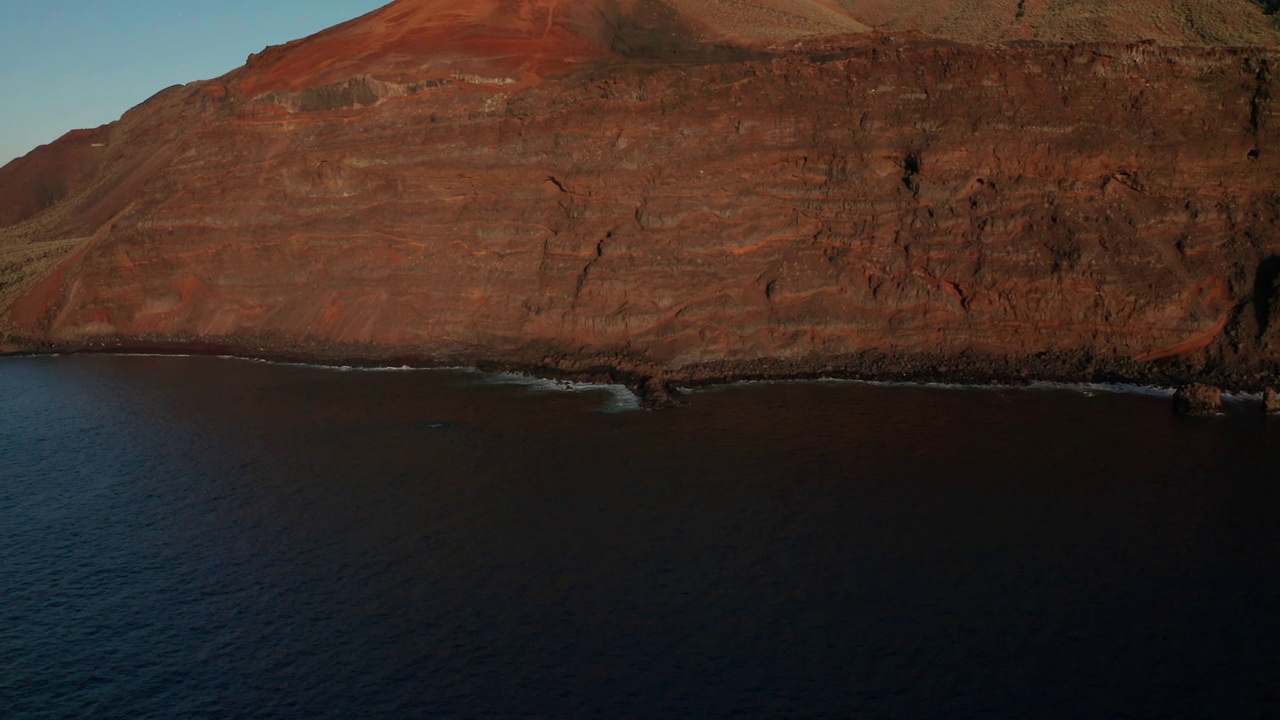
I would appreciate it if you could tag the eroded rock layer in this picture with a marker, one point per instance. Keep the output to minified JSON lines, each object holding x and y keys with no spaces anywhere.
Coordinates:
{"x":769,"y":210}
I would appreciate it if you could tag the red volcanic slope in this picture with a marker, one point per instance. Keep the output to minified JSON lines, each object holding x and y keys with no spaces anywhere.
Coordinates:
{"x":50,"y":174}
{"x":424,"y":38}
{"x":669,"y":192}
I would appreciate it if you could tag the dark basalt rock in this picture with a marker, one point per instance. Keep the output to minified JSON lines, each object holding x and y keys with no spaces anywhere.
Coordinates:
{"x":1271,"y":401}
{"x":1198,"y":399}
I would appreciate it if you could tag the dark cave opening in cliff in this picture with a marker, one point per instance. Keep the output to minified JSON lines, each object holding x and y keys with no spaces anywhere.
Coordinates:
{"x":1265,"y":291}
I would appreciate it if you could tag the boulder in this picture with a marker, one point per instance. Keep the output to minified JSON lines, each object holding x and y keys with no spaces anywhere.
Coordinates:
{"x":1198,"y":399}
{"x":1271,"y":401}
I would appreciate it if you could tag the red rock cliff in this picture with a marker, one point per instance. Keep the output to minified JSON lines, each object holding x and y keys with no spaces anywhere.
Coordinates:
{"x":573,"y":184}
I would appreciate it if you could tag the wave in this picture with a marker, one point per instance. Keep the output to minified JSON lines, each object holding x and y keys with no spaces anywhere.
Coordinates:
{"x":620,"y":398}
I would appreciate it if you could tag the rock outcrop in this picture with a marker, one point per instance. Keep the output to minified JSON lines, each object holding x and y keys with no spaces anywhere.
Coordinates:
{"x":629,"y":188}
{"x":1271,"y":401}
{"x":1198,"y":399}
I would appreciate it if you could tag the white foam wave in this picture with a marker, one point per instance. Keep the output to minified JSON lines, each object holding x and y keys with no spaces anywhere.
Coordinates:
{"x":619,"y":398}
{"x":1083,"y":388}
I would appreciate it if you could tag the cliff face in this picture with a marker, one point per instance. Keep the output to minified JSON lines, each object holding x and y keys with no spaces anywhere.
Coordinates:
{"x":587,"y":192}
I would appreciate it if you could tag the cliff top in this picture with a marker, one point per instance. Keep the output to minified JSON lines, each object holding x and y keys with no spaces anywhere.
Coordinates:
{"x":1233,"y":23}
{"x":510,"y":40}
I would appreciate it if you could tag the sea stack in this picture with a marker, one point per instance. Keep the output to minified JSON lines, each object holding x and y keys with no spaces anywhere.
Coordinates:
{"x":1271,"y":401}
{"x":688,"y":190}
{"x":1198,"y":399}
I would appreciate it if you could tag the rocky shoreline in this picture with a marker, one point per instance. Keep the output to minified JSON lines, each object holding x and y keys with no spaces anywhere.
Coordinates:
{"x":658,"y":386}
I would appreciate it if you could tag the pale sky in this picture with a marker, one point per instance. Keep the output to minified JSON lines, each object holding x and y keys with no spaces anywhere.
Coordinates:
{"x":68,"y":64}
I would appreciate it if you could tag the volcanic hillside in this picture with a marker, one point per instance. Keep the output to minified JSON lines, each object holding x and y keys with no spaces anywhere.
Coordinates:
{"x":1236,"y":23}
{"x":668,"y":189}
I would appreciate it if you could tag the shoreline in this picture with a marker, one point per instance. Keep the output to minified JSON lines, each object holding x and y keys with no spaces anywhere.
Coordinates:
{"x":657,"y":386}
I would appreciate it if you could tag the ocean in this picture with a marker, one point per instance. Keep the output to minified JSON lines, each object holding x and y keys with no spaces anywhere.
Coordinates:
{"x":199,"y":537}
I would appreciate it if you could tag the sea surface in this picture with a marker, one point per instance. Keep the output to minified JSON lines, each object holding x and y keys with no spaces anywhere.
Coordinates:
{"x":203,"y":537}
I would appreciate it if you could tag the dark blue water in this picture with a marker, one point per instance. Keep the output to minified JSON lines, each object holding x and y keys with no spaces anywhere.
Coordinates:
{"x":194,"y":537}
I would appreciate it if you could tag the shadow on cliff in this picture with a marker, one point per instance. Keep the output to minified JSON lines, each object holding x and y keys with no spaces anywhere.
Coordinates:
{"x":654,"y":31}
{"x":1266,"y":288}
{"x":1251,"y":337}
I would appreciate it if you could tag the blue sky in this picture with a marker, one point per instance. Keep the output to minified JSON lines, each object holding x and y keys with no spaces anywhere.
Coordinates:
{"x":67,"y":64}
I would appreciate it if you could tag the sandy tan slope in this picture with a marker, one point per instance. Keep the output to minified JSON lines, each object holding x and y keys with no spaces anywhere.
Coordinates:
{"x":751,"y":21}
{"x":1169,"y":22}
